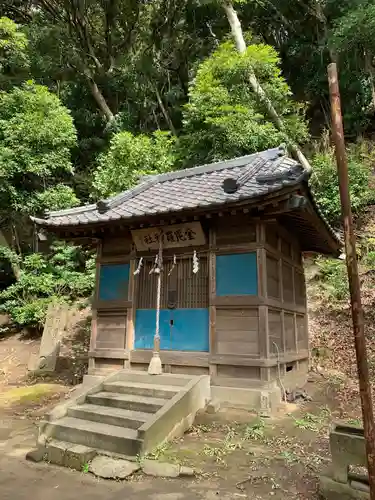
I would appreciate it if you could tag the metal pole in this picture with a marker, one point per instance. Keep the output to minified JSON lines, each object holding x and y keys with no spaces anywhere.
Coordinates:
{"x":354,"y":283}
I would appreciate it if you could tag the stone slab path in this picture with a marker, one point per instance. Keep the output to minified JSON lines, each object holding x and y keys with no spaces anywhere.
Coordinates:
{"x":22,"y":480}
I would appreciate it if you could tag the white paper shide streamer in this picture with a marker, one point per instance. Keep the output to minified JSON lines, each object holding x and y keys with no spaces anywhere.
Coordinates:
{"x":139,"y":267}
{"x":195,"y":262}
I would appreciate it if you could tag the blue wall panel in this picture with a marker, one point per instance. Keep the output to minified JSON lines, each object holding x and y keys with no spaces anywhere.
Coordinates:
{"x":236,"y":274}
{"x":189,"y":330}
{"x":113,"y":281}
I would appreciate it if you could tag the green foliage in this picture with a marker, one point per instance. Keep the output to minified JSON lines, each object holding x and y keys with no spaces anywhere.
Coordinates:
{"x":255,"y":430}
{"x":369,"y":260}
{"x":131,"y":156}
{"x":347,"y":37}
{"x":65,"y":274}
{"x":333,"y":279}
{"x":14,"y":61}
{"x":36,"y":137}
{"x":325,"y":182}
{"x":224,"y":118}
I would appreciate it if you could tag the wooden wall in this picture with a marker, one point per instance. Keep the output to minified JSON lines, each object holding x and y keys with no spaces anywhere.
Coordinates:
{"x":112,"y":322}
{"x":253,"y":333}
{"x":286,"y":302}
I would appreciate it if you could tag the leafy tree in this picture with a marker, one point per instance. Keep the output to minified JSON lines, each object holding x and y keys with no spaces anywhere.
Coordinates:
{"x":303,"y":33}
{"x":225,"y":118}
{"x":66,"y":273}
{"x":355,"y":49}
{"x":87,"y":38}
{"x":130,"y":157}
{"x":14,"y":61}
{"x":36,"y":137}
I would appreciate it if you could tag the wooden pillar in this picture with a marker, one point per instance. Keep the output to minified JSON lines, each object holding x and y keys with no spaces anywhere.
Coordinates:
{"x":94,"y":312}
{"x":264,"y":347}
{"x":130,"y":313}
{"x":212,"y":295}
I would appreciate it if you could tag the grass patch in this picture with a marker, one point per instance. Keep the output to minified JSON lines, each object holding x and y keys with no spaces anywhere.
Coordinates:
{"x":255,"y":430}
{"x":28,"y":395}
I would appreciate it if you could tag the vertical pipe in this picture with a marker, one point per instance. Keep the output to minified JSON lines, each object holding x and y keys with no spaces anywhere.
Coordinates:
{"x":354,"y":283}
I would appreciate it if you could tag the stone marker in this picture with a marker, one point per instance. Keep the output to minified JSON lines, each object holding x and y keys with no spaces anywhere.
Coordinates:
{"x":111,"y":468}
{"x":55,"y":324}
{"x":164,"y":469}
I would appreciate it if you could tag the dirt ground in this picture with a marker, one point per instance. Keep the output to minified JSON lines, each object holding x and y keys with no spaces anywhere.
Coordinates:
{"x":236,"y":454}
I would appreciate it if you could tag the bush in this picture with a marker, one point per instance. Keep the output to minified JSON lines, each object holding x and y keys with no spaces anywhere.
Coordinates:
{"x":65,"y":274}
{"x":333,"y":278}
{"x":325,"y":185}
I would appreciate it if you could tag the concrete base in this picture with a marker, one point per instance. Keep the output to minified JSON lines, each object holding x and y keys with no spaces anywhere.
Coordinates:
{"x":90,"y":380}
{"x":266,"y":400}
{"x":297,"y":377}
{"x":333,"y":490}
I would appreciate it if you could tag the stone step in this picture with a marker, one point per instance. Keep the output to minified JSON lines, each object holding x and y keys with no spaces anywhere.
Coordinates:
{"x":95,"y":435}
{"x":126,"y":401}
{"x":142,"y":389}
{"x":164,"y":379}
{"x":108,"y":415}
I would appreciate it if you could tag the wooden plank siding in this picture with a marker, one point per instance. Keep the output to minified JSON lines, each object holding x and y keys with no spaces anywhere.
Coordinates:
{"x":117,"y":246}
{"x":273,"y":277}
{"x":275,"y":331}
{"x":237,"y":331}
{"x":111,"y":330}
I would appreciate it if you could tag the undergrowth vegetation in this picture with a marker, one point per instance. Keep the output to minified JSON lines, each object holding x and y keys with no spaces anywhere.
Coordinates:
{"x":361,"y":157}
{"x":329,"y":282}
{"x":65,"y":274}
{"x":330,"y":322}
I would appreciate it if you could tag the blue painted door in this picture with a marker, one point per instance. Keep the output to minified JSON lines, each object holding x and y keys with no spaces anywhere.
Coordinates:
{"x":180,"y":329}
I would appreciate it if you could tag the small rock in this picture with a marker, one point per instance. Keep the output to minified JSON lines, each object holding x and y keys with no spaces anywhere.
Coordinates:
{"x":164,"y":469}
{"x":111,"y":468}
{"x":186,"y":471}
{"x":160,"y":469}
{"x":297,"y":395}
{"x":36,"y":455}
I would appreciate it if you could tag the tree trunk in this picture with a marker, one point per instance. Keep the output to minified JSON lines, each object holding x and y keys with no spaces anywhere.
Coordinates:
{"x":164,"y":110}
{"x":235,"y":26}
{"x":100,"y":100}
{"x":237,"y":33}
{"x":370,"y":70}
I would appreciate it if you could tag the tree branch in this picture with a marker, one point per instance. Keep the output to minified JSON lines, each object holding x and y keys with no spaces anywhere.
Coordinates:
{"x":237,"y":33}
{"x":100,"y":99}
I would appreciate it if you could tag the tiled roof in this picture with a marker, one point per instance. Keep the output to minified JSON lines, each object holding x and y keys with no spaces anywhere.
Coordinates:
{"x":199,"y":187}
